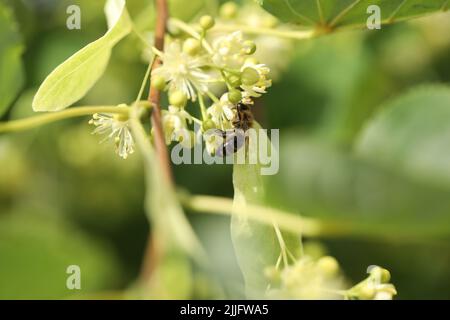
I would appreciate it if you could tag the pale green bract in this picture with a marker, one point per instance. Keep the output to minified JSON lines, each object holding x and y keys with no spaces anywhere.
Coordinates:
{"x":349,"y":13}
{"x":256,"y":244}
{"x":71,"y":80}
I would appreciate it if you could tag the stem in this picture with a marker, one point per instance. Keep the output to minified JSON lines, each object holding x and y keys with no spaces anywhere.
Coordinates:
{"x":212,"y":96}
{"x":152,"y":254}
{"x":155,"y":95}
{"x":289,"y":34}
{"x":201,"y":102}
{"x":33,"y":122}
{"x":224,"y":206}
{"x":281,"y":243}
{"x":192,"y":32}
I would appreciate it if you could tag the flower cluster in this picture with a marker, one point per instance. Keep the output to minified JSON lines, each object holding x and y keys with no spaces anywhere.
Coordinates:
{"x":306,"y":278}
{"x":375,"y":287}
{"x":252,"y":16}
{"x":216,"y":73}
{"x":200,"y":65}
{"x":309,"y":278}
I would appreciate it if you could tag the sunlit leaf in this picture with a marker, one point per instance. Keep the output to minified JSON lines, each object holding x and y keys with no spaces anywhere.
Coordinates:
{"x":71,"y":80}
{"x":11,"y":69}
{"x":348,"y":13}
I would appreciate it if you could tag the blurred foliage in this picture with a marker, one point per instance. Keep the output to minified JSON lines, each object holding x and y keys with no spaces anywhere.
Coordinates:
{"x":11,"y":48}
{"x":350,"y":153}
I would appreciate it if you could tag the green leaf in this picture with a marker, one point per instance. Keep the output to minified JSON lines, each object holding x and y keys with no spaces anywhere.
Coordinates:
{"x":256,"y":244}
{"x":348,"y":13}
{"x":11,"y":68}
{"x":71,"y":80}
{"x":412,"y":135}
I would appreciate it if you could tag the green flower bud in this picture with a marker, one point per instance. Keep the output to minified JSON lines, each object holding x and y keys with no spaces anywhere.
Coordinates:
{"x":207,"y":22}
{"x":234,"y":81}
{"x":272,"y":273}
{"x":177,"y":98}
{"x":228,"y":10}
{"x":380,"y":273}
{"x":249,"y":76}
{"x":121,"y":117}
{"x":158,"y":83}
{"x":192,"y":46}
{"x":234,"y":96}
{"x":208,"y":125}
{"x":252,"y":60}
{"x":249,"y":47}
{"x":328,"y":265}
{"x":366,"y":293}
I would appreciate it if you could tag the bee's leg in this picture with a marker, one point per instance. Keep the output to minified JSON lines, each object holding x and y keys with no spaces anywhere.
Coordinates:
{"x":239,"y":139}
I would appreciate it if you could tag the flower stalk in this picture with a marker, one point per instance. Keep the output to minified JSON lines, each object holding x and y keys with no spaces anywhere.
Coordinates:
{"x":33,"y":122}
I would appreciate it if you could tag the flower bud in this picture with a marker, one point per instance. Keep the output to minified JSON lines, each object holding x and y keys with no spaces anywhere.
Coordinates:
{"x":121,"y":117}
{"x":207,"y":22}
{"x":328,"y":265}
{"x":158,"y":83}
{"x":234,"y":81}
{"x":249,"y":76}
{"x":191,"y":46}
{"x":381,"y":274}
{"x":249,"y":47}
{"x":208,"y":125}
{"x":252,"y":60}
{"x":234,"y":96}
{"x":272,"y":273}
{"x":228,"y":10}
{"x":177,"y":99}
{"x":366,"y":293}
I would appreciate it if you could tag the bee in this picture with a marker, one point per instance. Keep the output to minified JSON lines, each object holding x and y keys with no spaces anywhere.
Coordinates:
{"x":234,"y":139}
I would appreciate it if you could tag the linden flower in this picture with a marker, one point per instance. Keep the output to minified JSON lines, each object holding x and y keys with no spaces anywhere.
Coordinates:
{"x":306,"y":279}
{"x":213,"y":141}
{"x":116,"y":127}
{"x":175,"y":122}
{"x":228,"y":51}
{"x":260,"y":85}
{"x":374,"y":287}
{"x":183,"y":71}
{"x":222,"y":112}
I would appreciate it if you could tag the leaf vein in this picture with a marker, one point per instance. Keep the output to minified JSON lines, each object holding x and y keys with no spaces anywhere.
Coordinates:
{"x":343,"y":13}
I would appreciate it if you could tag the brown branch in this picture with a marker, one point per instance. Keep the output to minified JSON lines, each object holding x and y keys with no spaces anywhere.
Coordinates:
{"x":153,"y":252}
{"x":155,"y":95}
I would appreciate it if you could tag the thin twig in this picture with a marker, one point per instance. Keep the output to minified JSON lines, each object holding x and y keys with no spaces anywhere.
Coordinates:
{"x":152,"y":252}
{"x":36,"y":121}
{"x":155,"y":95}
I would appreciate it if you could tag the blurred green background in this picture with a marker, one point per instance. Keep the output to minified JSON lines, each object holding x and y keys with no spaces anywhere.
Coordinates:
{"x":66,"y":199}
